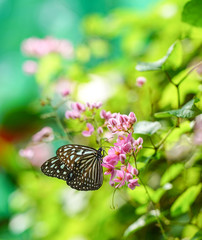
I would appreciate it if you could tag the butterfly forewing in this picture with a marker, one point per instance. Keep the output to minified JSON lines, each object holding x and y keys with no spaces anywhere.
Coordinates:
{"x":82,"y":164}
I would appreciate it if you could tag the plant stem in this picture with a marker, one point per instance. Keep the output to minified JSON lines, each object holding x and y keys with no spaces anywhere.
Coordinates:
{"x":156,"y":215}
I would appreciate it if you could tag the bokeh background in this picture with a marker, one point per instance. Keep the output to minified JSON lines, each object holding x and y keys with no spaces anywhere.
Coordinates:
{"x":108,"y":39}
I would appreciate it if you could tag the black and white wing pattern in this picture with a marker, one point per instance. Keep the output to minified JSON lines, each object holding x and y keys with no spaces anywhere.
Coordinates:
{"x":80,"y":166}
{"x":54,"y":167}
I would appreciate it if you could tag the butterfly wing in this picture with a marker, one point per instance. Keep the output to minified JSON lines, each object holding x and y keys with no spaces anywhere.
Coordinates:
{"x":54,"y":167}
{"x":83,"y":184}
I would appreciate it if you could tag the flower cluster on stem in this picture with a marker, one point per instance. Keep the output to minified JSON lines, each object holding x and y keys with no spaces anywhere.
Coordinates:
{"x":123,"y":149}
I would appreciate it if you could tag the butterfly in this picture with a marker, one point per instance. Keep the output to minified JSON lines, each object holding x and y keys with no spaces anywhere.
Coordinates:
{"x":80,"y":166}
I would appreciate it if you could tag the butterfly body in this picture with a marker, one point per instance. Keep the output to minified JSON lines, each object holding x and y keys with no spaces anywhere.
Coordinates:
{"x":80,"y":166}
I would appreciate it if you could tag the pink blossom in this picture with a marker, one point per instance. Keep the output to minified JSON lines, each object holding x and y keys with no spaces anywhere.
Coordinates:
{"x":89,"y":130}
{"x":45,"y":134}
{"x":118,"y":123}
{"x":127,"y":147}
{"x":37,"y":154}
{"x":100,"y":130}
{"x":94,"y":105}
{"x":105,"y":115}
{"x":110,"y":169}
{"x":30,"y":67}
{"x":133,"y":183}
{"x":78,"y":107}
{"x":130,"y":169}
{"x":37,"y":47}
{"x":140,"y":81}
{"x":110,"y":159}
{"x":72,"y":114}
{"x":132,"y":118}
{"x":116,"y":153}
{"x":139,"y":141}
{"x":63,"y":87}
{"x":120,"y":178}
{"x":26,"y":153}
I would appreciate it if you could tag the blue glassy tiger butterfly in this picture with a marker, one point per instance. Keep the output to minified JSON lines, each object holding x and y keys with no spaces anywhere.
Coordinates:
{"x":80,"y":166}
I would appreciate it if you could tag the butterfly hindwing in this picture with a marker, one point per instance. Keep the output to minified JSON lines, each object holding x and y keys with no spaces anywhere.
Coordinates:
{"x":54,"y":167}
{"x":83,"y":183}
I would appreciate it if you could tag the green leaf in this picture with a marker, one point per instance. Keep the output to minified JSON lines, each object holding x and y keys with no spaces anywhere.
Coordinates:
{"x":171,"y":173}
{"x":171,"y":60}
{"x":147,"y":127}
{"x":141,"y":222}
{"x":197,"y":236}
{"x":192,"y":13}
{"x":189,"y":110}
{"x":184,"y":201}
{"x":174,"y":58}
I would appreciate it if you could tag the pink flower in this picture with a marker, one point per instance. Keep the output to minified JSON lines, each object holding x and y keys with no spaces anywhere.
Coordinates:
{"x":72,"y":114}
{"x":132,"y":118}
{"x":116,"y":153}
{"x":79,"y":107}
{"x":63,"y":87}
{"x":105,"y":115}
{"x":30,"y":67}
{"x":140,"y":81}
{"x":120,"y":178}
{"x":89,"y":130}
{"x":110,"y":169}
{"x":100,"y":130}
{"x":37,"y":47}
{"x":110,"y":159}
{"x":133,"y":183}
{"x":118,"y":123}
{"x":130,"y":169}
{"x":45,"y":134}
{"x":26,"y":153}
{"x":94,"y":105}
{"x":37,"y":154}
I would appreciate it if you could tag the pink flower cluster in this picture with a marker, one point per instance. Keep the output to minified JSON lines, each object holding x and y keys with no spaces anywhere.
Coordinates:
{"x":117,"y":161}
{"x":39,"y":150}
{"x":125,"y":147}
{"x":117,"y":122}
{"x":76,"y":113}
{"x":36,"y":47}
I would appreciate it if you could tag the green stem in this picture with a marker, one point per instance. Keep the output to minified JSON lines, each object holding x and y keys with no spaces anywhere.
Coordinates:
{"x":156,"y":215}
{"x":192,"y":69}
{"x":164,"y":139}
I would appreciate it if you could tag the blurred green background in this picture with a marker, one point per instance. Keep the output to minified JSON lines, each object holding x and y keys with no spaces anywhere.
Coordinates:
{"x":109,"y":38}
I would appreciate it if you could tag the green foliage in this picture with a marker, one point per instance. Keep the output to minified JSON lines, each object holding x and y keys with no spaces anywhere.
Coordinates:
{"x":115,"y":44}
{"x":172,"y":60}
{"x":184,"y":201}
{"x":189,"y":110}
{"x":192,"y":13}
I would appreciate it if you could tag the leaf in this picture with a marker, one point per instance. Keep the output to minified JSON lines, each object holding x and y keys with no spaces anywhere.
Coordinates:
{"x":189,"y":110}
{"x":191,"y":13}
{"x":171,"y":60}
{"x":171,"y":173}
{"x":147,"y":127}
{"x":141,"y":222}
{"x":184,"y":201}
{"x":197,"y":236}
{"x":174,"y":58}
